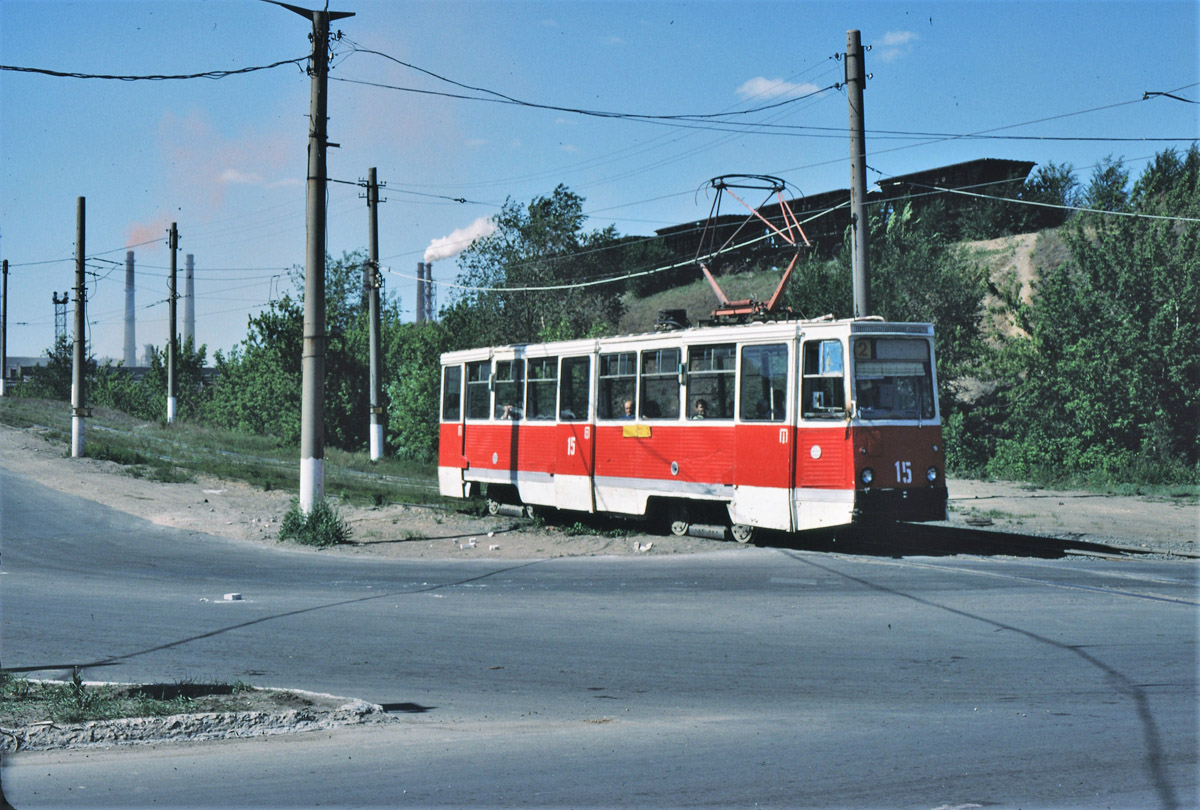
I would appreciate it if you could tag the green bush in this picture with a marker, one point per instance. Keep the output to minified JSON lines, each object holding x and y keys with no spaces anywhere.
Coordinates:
{"x":322,"y":527}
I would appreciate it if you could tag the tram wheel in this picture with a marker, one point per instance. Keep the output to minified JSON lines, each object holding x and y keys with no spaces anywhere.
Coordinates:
{"x":529,"y":513}
{"x":493,"y":506}
{"x":677,"y":520}
{"x":741,"y":532}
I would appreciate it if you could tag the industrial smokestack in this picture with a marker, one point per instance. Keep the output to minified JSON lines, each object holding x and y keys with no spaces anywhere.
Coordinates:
{"x":420,"y":308}
{"x":427,"y":299}
{"x":130,"y":325}
{"x":189,"y":302}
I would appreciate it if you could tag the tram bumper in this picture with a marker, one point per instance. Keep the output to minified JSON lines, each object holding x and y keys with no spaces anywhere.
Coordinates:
{"x":912,"y":505}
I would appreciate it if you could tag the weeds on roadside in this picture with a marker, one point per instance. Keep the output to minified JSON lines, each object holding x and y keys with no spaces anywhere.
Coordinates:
{"x":76,"y":703}
{"x":322,"y":527}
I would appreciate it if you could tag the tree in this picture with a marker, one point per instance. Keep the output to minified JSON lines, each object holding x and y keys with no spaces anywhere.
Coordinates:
{"x":258,"y":386}
{"x":1054,"y":185}
{"x":114,"y":387}
{"x":413,"y":391}
{"x":54,"y":379}
{"x":539,"y":245}
{"x":1110,"y":385}
{"x":1108,"y":190}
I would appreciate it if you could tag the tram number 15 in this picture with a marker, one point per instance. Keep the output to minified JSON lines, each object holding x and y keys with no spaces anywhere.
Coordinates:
{"x":570,"y":445}
{"x":903,"y":472}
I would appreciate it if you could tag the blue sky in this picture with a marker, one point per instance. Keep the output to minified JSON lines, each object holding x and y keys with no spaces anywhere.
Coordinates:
{"x":226,"y":159}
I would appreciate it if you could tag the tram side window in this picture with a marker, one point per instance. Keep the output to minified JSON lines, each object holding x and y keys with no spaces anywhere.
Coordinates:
{"x":764,"y":383}
{"x":542,"y":388}
{"x":660,"y":384}
{"x":710,"y":381}
{"x":509,"y":389}
{"x":618,"y":380}
{"x":574,"y":389}
{"x":477,"y":390}
{"x":451,"y":393}
{"x":823,"y":394}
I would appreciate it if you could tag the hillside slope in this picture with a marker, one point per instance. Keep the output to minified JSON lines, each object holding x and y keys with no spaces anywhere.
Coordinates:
{"x":1010,"y":260}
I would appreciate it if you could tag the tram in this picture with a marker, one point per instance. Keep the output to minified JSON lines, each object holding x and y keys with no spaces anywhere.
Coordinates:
{"x":787,"y":425}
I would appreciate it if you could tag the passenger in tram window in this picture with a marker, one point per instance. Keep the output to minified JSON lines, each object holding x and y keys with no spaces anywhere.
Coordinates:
{"x":701,"y":409}
{"x":628,"y":409}
{"x":510,"y":412}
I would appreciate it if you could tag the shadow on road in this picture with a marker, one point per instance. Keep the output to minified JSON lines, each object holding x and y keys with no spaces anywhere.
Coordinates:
{"x":913,"y":539}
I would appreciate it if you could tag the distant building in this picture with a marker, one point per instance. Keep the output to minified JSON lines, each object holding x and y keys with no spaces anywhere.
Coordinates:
{"x":20,"y":369}
{"x":825,"y":217}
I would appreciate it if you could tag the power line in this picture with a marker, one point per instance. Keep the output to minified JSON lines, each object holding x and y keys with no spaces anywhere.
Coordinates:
{"x":507,"y":99}
{"x":1061,"y":207}
{"x":208,"y":74}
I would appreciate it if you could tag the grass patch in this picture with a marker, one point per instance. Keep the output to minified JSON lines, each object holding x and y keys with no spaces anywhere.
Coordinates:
{"x":322,"y":527}
{"x":185,"y":450}
{"x":26,"y":702}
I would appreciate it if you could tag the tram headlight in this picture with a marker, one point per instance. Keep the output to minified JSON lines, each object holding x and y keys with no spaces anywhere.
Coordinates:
{"x":867,"y":476}
{"x":931,"y":474}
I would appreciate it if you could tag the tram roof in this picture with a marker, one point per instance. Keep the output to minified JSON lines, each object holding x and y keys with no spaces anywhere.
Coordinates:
{"x":696,"y":334}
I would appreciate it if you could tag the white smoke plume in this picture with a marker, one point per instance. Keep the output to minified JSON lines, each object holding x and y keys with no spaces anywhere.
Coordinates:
{"x":459,"y":240}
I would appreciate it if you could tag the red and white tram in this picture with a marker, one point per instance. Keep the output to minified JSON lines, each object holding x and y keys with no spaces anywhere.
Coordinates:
{"x":786,"y":425}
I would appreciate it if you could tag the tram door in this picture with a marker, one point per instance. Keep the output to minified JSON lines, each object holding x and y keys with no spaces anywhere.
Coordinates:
{"x":451,"y":434}
{"x":575,"y":440}
{"x":765,"y":439}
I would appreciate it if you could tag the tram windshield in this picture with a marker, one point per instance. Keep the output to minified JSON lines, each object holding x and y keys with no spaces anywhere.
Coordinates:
{"x":893,"y":378}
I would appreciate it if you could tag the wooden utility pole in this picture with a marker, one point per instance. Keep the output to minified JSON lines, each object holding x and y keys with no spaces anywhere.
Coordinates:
{"x":856,"y":78}
{"x":172,"y":334}
{"x":312,"y":363}
{"x":79,"y":358}
{"x":376,"y":426}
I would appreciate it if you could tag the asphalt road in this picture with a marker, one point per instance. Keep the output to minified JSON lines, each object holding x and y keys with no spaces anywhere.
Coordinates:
{"x":754,"y":677}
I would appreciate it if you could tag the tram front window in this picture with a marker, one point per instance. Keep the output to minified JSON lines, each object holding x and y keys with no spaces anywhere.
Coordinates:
{"x":893,"y":379}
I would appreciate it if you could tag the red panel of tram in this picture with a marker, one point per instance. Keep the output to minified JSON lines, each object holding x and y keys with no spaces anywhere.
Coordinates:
{"x":574,"y":443}
{"x":648,"y":451}
{"x":823,"y":458}
{"x":535,"y":447}
{"x":450,"y":445}
{"x":899,"y":455}
{"x":764,"y":455}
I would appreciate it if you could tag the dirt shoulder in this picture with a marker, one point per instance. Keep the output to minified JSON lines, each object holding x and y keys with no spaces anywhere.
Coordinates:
{"x":237,"y":510}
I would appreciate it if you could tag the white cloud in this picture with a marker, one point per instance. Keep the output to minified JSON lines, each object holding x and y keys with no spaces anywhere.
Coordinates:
{"x":459,"y":240}
{"x":240,"y":178}
{"x":893,"y":45}
{"x":763,"y":88}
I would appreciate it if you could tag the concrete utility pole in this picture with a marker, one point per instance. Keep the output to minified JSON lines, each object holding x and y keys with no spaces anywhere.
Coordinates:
{"x":130,"y":313}
{"x":78,"y":398}
{"x":376,"y":427}
{"x":4,"y":328}
{"x":172,"y":335}
{"x":856,"y":78}
{"x":312,"y":364}
{"x":189,"y":300}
